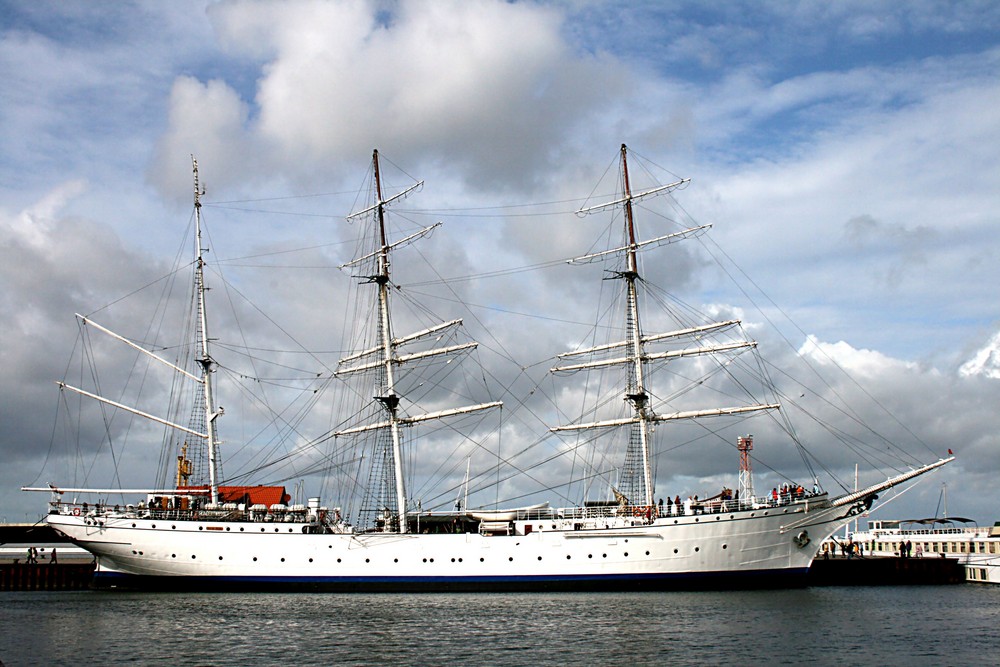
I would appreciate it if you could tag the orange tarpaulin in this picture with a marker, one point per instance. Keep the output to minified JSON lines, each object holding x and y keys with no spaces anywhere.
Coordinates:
{"x":249,"y":495}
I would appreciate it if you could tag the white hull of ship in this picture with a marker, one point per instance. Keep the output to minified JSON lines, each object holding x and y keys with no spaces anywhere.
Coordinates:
{"x":767,"y":547}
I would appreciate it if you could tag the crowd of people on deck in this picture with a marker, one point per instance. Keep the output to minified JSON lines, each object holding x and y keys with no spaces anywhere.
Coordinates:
{"x":728,"y":500}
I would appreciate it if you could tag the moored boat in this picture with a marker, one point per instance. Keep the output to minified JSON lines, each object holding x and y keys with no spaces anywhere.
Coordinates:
{"x":209,"y":534}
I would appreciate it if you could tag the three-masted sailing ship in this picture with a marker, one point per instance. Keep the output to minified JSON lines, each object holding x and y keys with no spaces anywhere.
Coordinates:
{"x":214,"y":536}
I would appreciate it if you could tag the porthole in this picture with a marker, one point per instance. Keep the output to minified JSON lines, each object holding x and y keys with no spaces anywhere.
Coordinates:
{"x":338,"y":560}
{"x":241,"y":529}
{"x":310,"y":560}
{"x":227,"y":529}
{"x":173,"y":555}
{"x":329,"y":546}
{"x":725,"y":546}
{"x":568,"y":556}
{"x":133,"y":525}
{"x":604,"y":555}
{"x":425,"y":560}
{"x":452,"y":560}
{"x":432,"y":560}
{"x":255,"y":559}
{"x":718,"y":518}
{"x":697,"y":549}
{"x":765,"y":513}
{"x":482,"y":560}
{"x":459,"y":560}
{"x":731,"y":516}
{"x":173,"y":527}
{"x":262,"y":530}
{"x":590,"y":555}
{"x":539,"y":558}
{"x":192,"y":556}
{"x":275,"y":530}
{"x":626,"y":554}
{"x":154,"y":525}
{"x":647,"y":553}
{"x":368,"y":560}
{"x":201,"y":528}
{"x":696,"y":519}
{"x":140,"y":553}
{"x":511,"y":559}
{"x":282,"y":560}
{"x":220,"y":557}
{"x":394,"y":560}
{"x":675,"y":550}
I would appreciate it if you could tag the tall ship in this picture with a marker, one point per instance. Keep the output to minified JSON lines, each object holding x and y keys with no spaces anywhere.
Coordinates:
{"x":209,"y":533}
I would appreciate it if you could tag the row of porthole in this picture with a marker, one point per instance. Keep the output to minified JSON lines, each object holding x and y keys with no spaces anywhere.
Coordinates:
{"x":453,"y":560}
{"x":697,"y":519}
{"x":174,"y":527}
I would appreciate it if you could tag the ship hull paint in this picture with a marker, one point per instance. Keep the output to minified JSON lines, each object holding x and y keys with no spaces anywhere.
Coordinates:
{"x":764,"y":548}
{"x":733,"y":580}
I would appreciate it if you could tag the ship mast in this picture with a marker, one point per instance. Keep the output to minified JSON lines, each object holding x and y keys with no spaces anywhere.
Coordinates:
{"x":637,"y":477}
{"x":387,"y":397}
{"x":204,"y":359}
{"x":637,"y":460}
{"x":387,"y":354}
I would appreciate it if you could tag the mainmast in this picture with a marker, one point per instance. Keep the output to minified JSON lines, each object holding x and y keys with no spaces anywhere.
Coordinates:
{"x":387,"y":397}
{"x":386,"y":354}
{"x":205,"y":358}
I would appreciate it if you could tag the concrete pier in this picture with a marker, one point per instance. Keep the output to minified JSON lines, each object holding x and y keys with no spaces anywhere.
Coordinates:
{"x":48,"y":577}
{"x":885,"y":571}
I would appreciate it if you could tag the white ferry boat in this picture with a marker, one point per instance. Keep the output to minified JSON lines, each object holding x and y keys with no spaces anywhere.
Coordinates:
{"x":976,"y":547}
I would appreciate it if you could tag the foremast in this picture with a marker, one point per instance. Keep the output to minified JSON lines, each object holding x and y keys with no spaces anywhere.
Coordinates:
{"x":637,"y":459}
{"x":385,"y":357}
{"x":637,"y":484}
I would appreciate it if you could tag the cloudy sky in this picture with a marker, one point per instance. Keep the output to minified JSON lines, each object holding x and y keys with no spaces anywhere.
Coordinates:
{"x":845,"y":154}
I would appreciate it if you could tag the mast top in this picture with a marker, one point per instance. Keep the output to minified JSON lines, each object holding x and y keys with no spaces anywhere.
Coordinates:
{"x":197,"y":187}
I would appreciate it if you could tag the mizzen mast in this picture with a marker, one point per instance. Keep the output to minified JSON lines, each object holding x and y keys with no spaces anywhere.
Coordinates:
{"x":204,"y":358}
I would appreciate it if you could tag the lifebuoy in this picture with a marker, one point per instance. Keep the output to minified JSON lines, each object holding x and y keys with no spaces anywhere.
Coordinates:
{"x":76,"y":511}
{"x":637,"y":511}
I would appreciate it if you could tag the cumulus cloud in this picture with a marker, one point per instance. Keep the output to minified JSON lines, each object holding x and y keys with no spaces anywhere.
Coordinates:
{"x":490,"y":88}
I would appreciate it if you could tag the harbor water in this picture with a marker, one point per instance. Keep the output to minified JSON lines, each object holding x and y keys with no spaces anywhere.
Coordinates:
{"x":888,"y":625}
